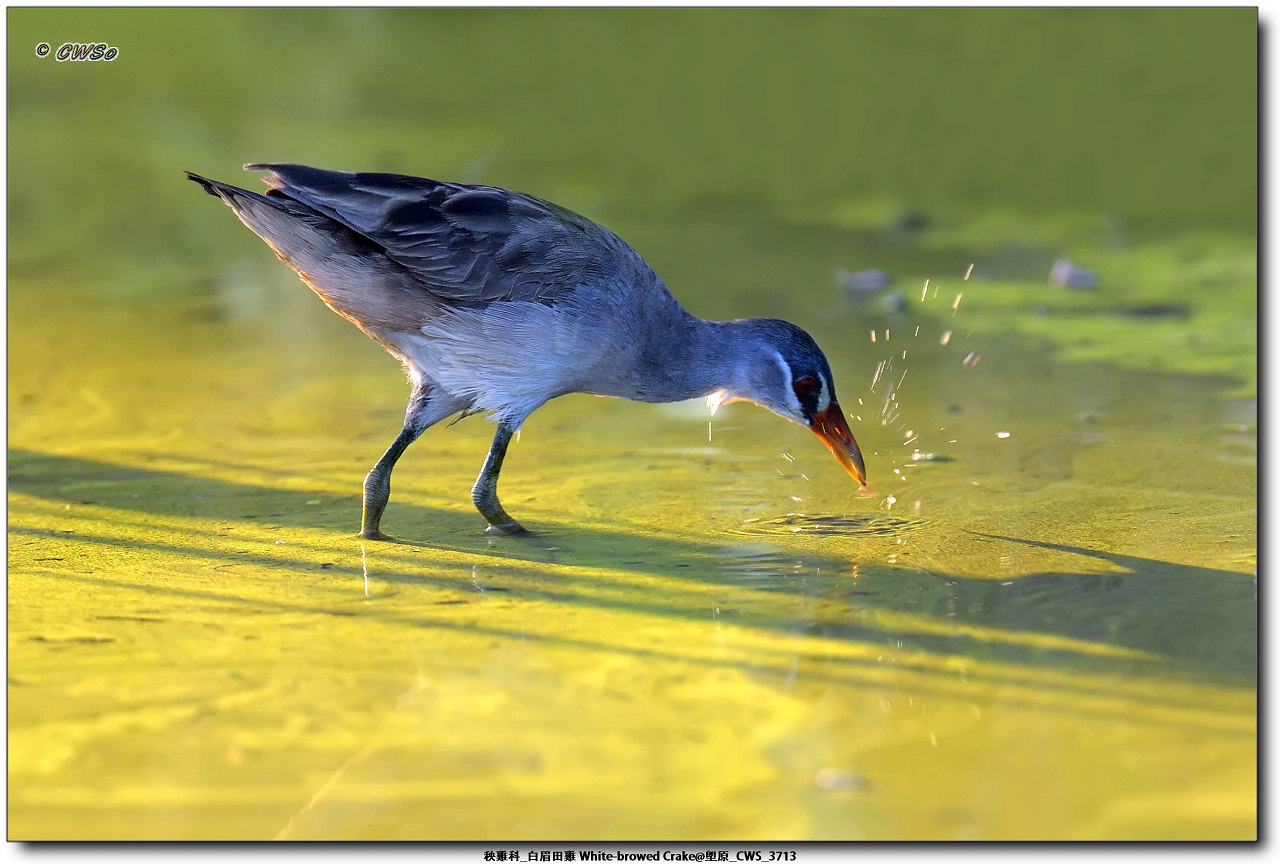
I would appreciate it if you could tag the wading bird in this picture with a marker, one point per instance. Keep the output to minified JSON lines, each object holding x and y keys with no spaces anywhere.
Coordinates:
{"x":496,"y":302}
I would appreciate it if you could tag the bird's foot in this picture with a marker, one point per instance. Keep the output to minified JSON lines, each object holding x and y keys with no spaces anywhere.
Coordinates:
{"x":509,"y":529}
{"x":375,"y":534}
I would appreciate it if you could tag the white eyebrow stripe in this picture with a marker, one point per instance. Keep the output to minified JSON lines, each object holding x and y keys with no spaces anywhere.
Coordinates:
{"x":786,"y":385}
{"x":824,"y":395}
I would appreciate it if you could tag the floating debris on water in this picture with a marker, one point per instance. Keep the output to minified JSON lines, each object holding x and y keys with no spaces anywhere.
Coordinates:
{"x":865,"y":281}
{"x":826,"y":778}
{"x":894,"y":302}
{"x":946,"y":337}
{"x":1067,"y":275}
{"x":971,"y":359}
{"x":1002,"y":434}
{"x":909,"y":222}
{"x":968,"y":273}
{"x":1156,"y":310}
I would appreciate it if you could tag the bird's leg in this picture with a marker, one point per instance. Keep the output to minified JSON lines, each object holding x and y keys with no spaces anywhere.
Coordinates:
{"x":377,"y":484}
{"x":422,"y":412}
{"x":485,"y":492}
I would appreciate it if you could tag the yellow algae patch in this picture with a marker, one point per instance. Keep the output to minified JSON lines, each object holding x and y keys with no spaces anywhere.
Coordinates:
{"x":1046,"y":636}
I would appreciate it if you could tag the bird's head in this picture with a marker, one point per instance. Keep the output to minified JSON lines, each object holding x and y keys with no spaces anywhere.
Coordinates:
{"x":781,"y":368}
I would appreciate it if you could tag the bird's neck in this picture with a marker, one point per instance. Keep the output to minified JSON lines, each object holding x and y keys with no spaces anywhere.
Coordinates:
{"x":701,"y":358}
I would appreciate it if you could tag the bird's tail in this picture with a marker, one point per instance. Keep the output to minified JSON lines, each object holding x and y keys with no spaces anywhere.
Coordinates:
{"x":285,"y":224}
{"x":253,"y":209}
{"x":318,"y":248}
{"x":225,"y":191}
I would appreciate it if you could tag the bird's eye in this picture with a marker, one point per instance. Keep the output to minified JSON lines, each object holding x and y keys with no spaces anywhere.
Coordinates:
{"x":806,"y":385}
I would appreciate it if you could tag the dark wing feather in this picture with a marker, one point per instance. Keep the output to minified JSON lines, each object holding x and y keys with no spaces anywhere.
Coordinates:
{"x":470,"y":245}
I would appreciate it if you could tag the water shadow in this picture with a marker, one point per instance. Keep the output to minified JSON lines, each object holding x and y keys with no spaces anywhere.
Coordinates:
{"x":1155,"y":619}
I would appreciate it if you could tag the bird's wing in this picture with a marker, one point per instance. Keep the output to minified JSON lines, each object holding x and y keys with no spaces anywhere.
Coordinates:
{"x":470,"y":245}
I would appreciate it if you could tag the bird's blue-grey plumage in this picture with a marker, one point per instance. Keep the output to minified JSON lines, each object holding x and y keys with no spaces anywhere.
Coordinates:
{"x":496,"y":301}
{"x":469,"y":245}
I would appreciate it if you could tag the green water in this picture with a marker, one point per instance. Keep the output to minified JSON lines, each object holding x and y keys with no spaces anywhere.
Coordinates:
{"x":1045,"y":634}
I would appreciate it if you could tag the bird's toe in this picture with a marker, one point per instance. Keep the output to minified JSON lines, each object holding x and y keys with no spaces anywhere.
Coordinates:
{"x":509,"y":529}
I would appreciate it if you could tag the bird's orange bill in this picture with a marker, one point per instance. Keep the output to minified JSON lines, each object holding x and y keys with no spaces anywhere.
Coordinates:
{"x":832,"y":428}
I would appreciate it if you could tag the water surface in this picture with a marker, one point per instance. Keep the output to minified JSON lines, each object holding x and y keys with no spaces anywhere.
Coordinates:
{"x":1043,"y":625}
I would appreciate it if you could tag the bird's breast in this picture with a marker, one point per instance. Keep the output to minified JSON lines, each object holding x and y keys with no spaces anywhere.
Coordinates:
{"x":507,"y":357}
